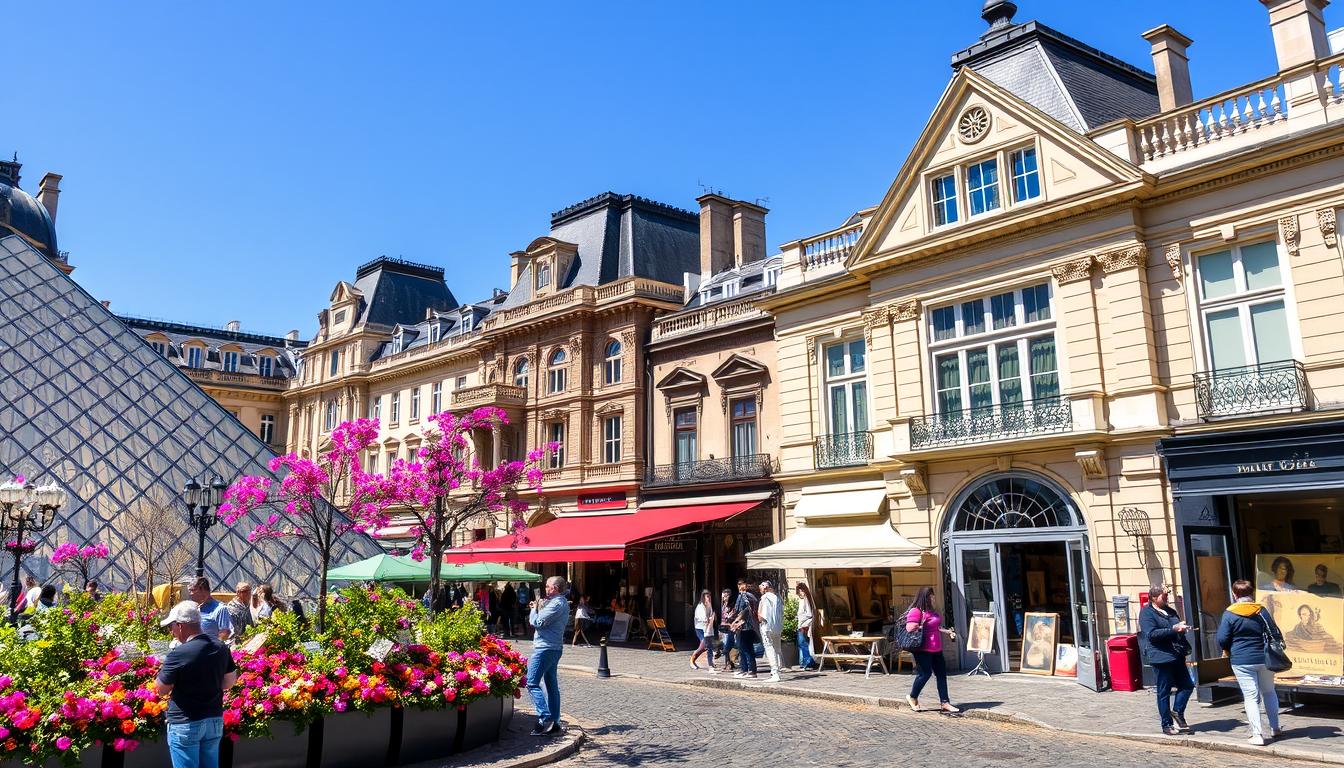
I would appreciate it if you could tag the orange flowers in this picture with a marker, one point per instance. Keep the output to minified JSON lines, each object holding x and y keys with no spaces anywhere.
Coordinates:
{"x":128,"y":727}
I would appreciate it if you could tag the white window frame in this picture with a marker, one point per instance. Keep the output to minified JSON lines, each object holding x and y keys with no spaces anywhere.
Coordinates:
{"x":376,"y":407}
{"x":557,"y":372}
{"x":555,"y":433}
{"x":436,"y":397}
{"x":267,"y":429}
{"x":521,"y":373}
{"x":334,"y":366}
{"x":1243,"y":300}
{"x":329,"y":421}
{"x":611,"y":439}
{"x":394,"y":412}
{"x":935,"y":202}
{"x":434,"y":331}
{"x":228,"y":361}
{"x":846,"y":381}
{"x":398,"y":340}
{"x":611,"y":364}
{"x":415,"y":404}
{"x":266,"y":365}
{"x":460,"y":382}
{"x":1013,"y":176}
{"x":196,"y":357}
{"x":965,"y":170}
{"x":543,"y":275}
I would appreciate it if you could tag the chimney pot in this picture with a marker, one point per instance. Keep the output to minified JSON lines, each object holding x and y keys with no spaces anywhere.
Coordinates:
{"x":1172,"y":66}
{"x":48,"y":190}
{"x":233,"y":326}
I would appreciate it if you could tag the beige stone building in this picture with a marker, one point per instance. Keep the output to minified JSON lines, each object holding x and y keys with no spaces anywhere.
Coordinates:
{"x":1078,"y":271}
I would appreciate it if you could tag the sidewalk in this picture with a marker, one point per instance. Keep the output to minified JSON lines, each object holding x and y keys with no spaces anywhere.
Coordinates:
{"x":1310,"y":732}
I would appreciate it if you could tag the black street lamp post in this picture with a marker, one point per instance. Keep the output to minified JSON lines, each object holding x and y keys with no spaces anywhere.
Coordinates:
{"x":202,"y":501}
{"x":26,"y":509}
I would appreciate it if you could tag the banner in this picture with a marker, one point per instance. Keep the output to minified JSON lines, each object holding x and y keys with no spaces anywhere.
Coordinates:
{"x":1302,"y":593}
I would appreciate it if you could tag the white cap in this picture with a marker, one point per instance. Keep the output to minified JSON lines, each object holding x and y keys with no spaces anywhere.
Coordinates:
{"x":185,"y":612}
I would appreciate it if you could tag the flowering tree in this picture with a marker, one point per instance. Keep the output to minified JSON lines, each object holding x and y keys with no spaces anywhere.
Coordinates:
{"x":443,"y":492}
{"x":79,"y":561}
{"x":304,"y":505}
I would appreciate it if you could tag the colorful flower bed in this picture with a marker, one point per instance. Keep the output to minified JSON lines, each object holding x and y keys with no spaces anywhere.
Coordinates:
{"x":88,"y":680}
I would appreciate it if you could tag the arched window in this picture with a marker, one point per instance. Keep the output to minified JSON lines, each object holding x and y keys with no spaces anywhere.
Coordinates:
{"x":611,"y":367}
{"x":556,"y":376}
{"x":1013,"y":502}
{"x":543,"y":274}
{"x":520,"y":373}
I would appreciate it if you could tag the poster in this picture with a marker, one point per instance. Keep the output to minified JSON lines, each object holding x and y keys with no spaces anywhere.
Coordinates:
{"x":1039,"y":637}
{"x":1313,"y":629}
{"x":1066,"y":660}
{"x":1318,"y":574}
{"x":838,"y":604}
{"x":982,"y":633}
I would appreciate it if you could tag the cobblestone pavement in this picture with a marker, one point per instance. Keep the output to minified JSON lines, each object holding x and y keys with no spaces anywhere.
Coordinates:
{"x":640,"y":722}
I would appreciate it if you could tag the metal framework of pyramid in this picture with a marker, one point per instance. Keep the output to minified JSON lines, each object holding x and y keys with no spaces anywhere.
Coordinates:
{"x":86,"y":403}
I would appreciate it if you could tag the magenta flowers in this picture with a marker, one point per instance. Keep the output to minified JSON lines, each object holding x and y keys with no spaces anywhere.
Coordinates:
{"x":76,"y":560}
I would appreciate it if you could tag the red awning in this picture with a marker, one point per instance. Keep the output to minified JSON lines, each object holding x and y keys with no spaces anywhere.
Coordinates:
{"x":591,"y":539}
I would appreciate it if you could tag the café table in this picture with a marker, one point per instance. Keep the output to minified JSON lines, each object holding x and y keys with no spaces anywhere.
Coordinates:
{"x":853,"y":649}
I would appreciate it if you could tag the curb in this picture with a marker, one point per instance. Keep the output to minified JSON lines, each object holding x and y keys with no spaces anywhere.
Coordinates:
{"x":567,"y":749}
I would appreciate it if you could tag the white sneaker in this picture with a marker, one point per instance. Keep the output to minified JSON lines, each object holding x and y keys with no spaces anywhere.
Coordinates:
{"x":1257,"y":741}
{"x":775,"y":679}
{"x":739,"y":674}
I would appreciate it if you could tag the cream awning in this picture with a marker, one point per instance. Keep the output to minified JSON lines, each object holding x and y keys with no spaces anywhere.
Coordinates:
{"x":836,"y":504}
{"x":840,"y":546}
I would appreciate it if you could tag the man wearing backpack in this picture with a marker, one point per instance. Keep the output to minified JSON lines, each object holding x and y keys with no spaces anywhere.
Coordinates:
{"x":1244,"y":632}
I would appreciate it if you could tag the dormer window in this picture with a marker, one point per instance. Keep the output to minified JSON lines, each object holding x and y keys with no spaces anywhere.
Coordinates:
{"x":265,"y":365}
{"x":543,"y":275}
{"x":230,"y":362}
{"x":195,"y":357}
{"x":434,"y":332}
{"x":772,"y":275}
{"x":160,"y":348}
{"x":466,"y":323}
{"x":398,"y":339}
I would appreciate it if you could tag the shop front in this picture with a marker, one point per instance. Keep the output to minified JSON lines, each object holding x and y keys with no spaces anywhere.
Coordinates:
{"x":1266,"y":505}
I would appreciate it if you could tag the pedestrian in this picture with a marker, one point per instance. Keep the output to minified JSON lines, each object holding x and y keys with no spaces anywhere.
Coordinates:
{"x":745,"y":625}
{"x":806,"y":614}
{"x":771,"y":615}
{"x":270,"y":604}
{"x":194,"y":676}
{"x":91,"y":590}
{"x":215,"y":620}
{"x":929,"y":656}
{"x":1162,"y":635}
{"x":261,"y":607}
{"x":548,"y":615}
{"x":508,"y":605}
{"x":492,"y":598}
{"x":46,"y":598}
{"x":704,"y":630}
{"x":583,"y":620}
{"x":1242,"y":634}
{"x":28,"y":598}
{"x":727,"y":615}
{"x":240,"y":608}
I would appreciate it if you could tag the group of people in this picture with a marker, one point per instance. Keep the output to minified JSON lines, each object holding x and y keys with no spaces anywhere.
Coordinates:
{"x":37,"y":597}
{"x":502,"y":608}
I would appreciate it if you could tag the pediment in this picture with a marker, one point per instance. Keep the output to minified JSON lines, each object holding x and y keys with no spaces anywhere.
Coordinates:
{"x":344,"y":292}
{"x":974,"y":122}
{"x":739,"y":366}
{"x":682,"y":378}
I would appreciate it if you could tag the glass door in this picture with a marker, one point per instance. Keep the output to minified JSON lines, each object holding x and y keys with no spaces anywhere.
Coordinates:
{"x":976,"y":572}
{"x":1208,"y":557}
{"x":1084,"y":622}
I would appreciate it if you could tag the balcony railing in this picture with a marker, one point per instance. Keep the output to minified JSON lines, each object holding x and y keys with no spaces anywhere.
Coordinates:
{"x":489,"y":394}
{"x":845,"y":449}
{"x":750,"y":467}
{"x":976,"y":425}
{"x":1252,"y":389}
{"x":712,"y":316}
{"x":831,"y":248}
{"x":211,"y":375}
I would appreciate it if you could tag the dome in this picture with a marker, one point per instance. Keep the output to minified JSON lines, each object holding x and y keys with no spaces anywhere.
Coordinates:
{"x":21,"y":214}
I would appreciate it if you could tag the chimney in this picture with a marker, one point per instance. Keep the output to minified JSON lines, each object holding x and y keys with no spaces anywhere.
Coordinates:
{"x":292,"y":335}
{"x":48,"y":191}
{"x":716,"y":234}
{"x":233,"y":326}
{"x":1171,"y":65}
{"x":748,"y":232}
{"x":518,"y":259}
{"x":1298,"y":27}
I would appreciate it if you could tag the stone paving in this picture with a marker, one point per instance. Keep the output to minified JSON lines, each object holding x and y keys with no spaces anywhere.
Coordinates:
{"x":1311,"y":732}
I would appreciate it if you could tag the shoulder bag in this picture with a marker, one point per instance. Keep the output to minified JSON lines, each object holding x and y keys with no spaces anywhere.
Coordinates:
{"x":1276,"y":650}
{"x":911,"y":639}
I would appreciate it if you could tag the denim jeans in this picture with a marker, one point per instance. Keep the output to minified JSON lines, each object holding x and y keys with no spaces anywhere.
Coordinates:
{"x":805,"y":650}
{"x":541,"y":670}
{"x":1257,"y":685}
{"x":195,"y":744}
{"x":729,"y":642}
{"x":1172,"y":675}
{"x":746,"y":651}
{"x":930,"y":664}
{"x":706,"y":643}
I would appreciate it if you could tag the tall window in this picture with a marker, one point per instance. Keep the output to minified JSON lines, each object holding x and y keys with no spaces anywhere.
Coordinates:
{"x":611,"y":439}
{"x":611,"y":366}
{"x":194,"y":357}
{"x":335,"y":362}
{"x":982,"y":186}
{"x":436,"y":397}
{"x":230,"y":362}
{"x":395,"y":410}
{"x":555,"y":433}
{"x":415,"y":403}
{"x":996,"y":350}
{"x":743,"y":413}
{"x":376,"y":407}
{"x":1026,"y":176}
{"x":1242,"y":305}
{"x":159,"y":348}
{"x":543,"y":274}
{"x":847,"y":386}
{"x":391,"y":458}
{"x":267,"y":431}
{"x":686,"y":428}
{"x":373,"y":462}
{"x":461,"y":383}
{"x":398,"y":341}
{"x":555,"y":375}
{"x":945,"y":200}
{"x":330,"y":422}
{"x":265,"y":365}
{"x":520,"y":373}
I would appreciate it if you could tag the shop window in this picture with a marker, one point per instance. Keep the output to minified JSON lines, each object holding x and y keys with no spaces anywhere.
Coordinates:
{"x":743,"y":411}
{"x":846,"y":386}
{"x":611,"y":366}
{"x":1008,"y":503}
{"x":1243,"y":307}
{"x":611,"y":439}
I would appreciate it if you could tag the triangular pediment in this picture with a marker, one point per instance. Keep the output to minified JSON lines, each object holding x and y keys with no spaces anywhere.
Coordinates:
{"x":344,"y":292}
{"x":976,"y":121}
{"x":739,"y":366}
{"x":682,"y":378}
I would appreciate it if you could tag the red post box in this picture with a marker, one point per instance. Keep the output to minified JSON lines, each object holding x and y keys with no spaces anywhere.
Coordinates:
{"x":1122,"y":654}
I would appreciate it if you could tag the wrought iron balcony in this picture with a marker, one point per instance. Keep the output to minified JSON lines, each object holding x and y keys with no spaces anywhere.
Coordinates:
{"x":1252,"y":389}
{"x":749,"y":467}
{"x":844,"y":449}
{"x":999,"y":422}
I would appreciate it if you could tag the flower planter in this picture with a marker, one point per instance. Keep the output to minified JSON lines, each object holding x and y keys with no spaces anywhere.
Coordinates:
{"x":284,"y":749}
{"x":150,"y":754}
{"x":483,"y":721}
{"x":89,"y":758}
{"x":789,"y":654}
{"x":426,"y":734}
{"x":356,"y":739}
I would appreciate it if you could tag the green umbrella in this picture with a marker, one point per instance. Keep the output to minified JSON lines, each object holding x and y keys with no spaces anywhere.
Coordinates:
{"x":486,"y":572}
{"x":382,"y":568}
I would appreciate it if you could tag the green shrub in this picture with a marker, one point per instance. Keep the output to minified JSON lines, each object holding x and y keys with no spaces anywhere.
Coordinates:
{"x":460,"y":630}
{"x":790,"y":620}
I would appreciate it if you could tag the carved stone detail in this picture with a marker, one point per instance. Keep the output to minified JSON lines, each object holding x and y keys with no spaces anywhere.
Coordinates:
{"x":1130,"y":257}
{"x":872,"y":319}
{"x":611,"y":407}
{"x":1288,"y":231}
{"x":1092,"y":461}
{"x":1173,"y":256}
{"x":905,"y":311}
{"x":913,"y":477}
{"x":1073,"y":271}
{"x":555,"y":414}
{"x":1325,"y":219}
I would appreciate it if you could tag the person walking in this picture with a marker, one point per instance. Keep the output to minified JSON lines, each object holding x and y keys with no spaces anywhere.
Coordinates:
{"x":746,"y":625}
{"x":27,"y":599}
{"x":929,"y":657}
{"x":806,"y":615}
{"x":704,"y":630}
{"x":508,"y":604}
{"x":771,"y":615}
{"x":194,"y":676}
{"x":240,"y":608}
{"x":215,"y":619}
{"x":583,"y":621}
{"x":1162,"y":635}
{"x":727,"y":615}
{"x":548,"y":616}
{"x":1245,"y":628}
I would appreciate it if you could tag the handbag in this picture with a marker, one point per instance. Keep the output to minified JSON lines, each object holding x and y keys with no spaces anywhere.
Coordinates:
{"x":911,"y":639}
{"x":1276,"y":650}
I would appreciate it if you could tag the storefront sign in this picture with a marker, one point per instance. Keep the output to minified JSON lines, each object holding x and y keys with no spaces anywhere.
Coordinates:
{"x":603,"y":500}
{"x":1294,"y":464}
{"x":671,"y":545}
{"x":1289,"y":458}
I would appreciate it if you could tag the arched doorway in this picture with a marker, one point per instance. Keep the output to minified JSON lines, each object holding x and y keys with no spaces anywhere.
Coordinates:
{"x":1015,"y":548}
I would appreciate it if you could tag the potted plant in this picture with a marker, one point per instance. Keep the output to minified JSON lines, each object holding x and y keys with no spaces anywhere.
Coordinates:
{"x":790,"y":633}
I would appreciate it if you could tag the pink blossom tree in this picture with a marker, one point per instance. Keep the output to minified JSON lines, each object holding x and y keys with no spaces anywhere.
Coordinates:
{"x":443,"y":491}
{"x":305,"y":503}
{"x":79,"y":561}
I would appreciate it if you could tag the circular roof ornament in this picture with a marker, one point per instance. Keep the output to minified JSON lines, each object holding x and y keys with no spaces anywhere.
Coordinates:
{"x":973,"y":125}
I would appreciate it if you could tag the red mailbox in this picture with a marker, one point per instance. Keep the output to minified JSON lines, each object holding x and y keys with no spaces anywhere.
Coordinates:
{"x":1122,"y":653}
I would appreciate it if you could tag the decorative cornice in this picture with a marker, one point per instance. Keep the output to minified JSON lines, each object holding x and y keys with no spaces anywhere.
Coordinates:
{"x":555,"y":414}
{"x":1173,"y":256}
{"x":1325,"y":219}
{"x":873,"y":318}
{"x":905,"y":311}
{"x":1288,"y":232}
{"x":610,"y":407}
{"x":1129,"y":257}
{"x":1073,"y":271}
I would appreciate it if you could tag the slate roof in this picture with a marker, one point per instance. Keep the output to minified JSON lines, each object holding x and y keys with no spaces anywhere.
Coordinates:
{"x":251,"y":343}
{"x":22,"y":214}
{"x":750,"y":279}
{"x":620,"y":236}
{"x":397,"y":291}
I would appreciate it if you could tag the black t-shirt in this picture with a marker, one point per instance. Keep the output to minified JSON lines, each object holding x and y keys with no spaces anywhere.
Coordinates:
{"x":196,"y":670}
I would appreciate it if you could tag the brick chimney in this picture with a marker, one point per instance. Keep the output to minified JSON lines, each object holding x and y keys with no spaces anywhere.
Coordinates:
{"x":748,"y":232}
{"x":1298,"y":27}
{"x":716,"y":234}
{"x":48,"y":191}
{"x":1171,"y":65}
{"x":516,"y":261}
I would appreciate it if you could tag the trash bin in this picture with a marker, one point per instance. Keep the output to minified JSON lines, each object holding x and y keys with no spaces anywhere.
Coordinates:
{"x":1122,"y":654}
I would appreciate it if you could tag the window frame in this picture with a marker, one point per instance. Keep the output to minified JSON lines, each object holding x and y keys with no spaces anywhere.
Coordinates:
{"x":612,"y":363}
{"x":196,"y":356}
{"x":846,"y":382}
{"x":415,"y":405}
{"x":611,"y":444}
{"x":160,"y":348}
{"x":544,"y":278}
{"x":334,"y":366}
{"x":1243,"y":299}
{"x":557,"y":372}
{"x":996,"y":186}
{"x":678,"y":431}
{"x":266,"y":430}
{"x":735,"y":421}
{"x":229,"y":360}
{"x":1036,"y":172}
{"x":376,"y":407}
{"x":436,"y":397}
{"x":522,"y":373}
{"x":555,"y":433}
{"x":266,"y":365}
{"x":394,"y":409}
{"x":937,"y":203}
{"x":1006,"y":191}
{"x":329,"y":419}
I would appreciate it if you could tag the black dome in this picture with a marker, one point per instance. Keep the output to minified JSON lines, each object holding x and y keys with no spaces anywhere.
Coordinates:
{"x":21,"y":214}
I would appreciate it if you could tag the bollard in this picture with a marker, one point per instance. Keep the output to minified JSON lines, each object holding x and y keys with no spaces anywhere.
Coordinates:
{"x":603,"y":669}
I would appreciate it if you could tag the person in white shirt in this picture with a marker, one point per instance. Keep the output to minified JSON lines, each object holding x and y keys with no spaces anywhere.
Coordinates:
{"x":704,"y":630}
{"x":770,"y":613}
{"x":805,"y":618}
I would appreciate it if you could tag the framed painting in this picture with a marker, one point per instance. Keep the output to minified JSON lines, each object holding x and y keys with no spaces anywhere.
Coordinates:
{"x":982,"y":633}
{"x":839,"y":605}
{"x":1040,"y":635}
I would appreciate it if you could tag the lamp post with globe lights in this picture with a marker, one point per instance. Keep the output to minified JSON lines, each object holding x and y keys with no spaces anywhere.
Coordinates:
{"x":26,"y":508}
{"x":202,"y":502}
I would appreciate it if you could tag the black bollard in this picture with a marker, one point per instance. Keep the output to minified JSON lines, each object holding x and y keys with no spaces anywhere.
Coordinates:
{"x":603,"y":669}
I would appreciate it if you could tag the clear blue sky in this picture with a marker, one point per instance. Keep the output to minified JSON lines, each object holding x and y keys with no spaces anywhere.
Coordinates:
{"x":234,"y":161}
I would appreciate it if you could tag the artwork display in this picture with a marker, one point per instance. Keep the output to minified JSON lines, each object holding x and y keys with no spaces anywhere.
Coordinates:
{"x":982,"y":633}
{"x":872,"y":596}
{"x":1066,"y":660}
{"x":1313,"y":630}
{"x":1036,"y":595}
{"x":1317,"y":574}
{"x":1039,"y":637}
{"x":839,"y":604}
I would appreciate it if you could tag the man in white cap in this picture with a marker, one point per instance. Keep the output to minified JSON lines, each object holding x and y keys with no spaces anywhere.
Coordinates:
{"x":194,"y":676}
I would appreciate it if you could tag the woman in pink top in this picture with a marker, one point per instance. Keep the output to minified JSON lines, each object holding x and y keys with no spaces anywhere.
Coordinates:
{"x":929,"y":658}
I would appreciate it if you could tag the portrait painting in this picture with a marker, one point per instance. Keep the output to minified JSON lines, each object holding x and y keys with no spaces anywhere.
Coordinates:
{"x":982,"y":633}
{"x":839,"y":606}
{"x":1040,"y":634}
{"x":1313,"y":630}
{"x":872,"y":596}
{"x":1066,"y":660}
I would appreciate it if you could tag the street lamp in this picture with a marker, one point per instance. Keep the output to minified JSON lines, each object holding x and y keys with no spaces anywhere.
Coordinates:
{"x":26,"y":508}
{"x":201,"y":500}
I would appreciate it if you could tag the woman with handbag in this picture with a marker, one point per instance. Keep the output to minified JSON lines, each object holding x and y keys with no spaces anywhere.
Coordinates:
{"x":923,"y":637}
{"x":1162,"y":637}
{"x":1250,"y":637}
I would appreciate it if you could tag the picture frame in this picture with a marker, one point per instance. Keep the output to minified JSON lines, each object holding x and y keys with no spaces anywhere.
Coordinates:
{"x":1040,"y":636}
{"x":872,"y":596}
{"x":981,"y":639}
{"x":839,"y":604}
{"x":1066,"y":660}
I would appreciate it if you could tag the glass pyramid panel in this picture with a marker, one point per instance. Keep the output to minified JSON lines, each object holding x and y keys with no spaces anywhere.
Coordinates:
{"x":84,"y":402}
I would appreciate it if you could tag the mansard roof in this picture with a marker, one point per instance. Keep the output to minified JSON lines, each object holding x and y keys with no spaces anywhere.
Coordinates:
{"x":396,"y":291}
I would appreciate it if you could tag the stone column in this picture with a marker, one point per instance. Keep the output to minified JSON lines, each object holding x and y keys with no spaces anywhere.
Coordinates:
{"x":1078,"y":330}
{"x":1130,"y":352}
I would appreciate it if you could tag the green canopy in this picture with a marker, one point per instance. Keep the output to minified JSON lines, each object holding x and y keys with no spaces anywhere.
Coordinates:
{"x":382,"y":568}
{"x":486,"y":572}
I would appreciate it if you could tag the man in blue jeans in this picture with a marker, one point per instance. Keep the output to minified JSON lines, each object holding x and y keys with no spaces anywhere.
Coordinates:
{"x":194,"y":676}
{"x":549,"y":616}
{"x":746,"y":626}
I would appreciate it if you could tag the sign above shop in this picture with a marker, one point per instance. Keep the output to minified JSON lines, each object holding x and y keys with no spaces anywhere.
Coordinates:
{"x":1294,"y":464}
{"x":1290,"y":458}
{"x":602,"y":500}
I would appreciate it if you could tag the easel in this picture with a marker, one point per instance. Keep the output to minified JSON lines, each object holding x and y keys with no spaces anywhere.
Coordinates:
{"x":658,"y":636}
{"x":980,"y":668}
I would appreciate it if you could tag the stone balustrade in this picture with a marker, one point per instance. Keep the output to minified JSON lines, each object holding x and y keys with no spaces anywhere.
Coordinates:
{"x":830,"y":248}
{"x":707,"y":317}
{"x":587,"y":295}
{"x":489,"y":394}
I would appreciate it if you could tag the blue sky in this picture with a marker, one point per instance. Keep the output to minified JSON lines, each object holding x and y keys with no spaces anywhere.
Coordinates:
{"x":234,"y":161}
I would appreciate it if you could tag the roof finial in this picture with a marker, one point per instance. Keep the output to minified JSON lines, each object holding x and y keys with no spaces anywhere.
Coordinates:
{"x":998,"y":14}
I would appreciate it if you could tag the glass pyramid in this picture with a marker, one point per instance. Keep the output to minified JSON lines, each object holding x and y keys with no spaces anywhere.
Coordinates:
{"x":86,"y":403}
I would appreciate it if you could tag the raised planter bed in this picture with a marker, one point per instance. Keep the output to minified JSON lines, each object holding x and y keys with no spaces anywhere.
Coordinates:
{"x":483,"y":721}
{"x":425,"y":734}
{"x":356,"y":739}
{"x":284,"y":749}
